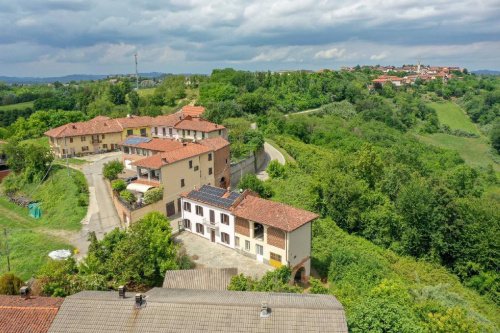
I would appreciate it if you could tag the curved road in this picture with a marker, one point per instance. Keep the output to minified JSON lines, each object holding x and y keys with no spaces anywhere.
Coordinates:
{"x":271,"y":154}
{"x":101,"y":213}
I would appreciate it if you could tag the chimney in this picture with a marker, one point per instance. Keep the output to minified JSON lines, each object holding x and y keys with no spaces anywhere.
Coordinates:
{"x":121,"y":291}
{"x":128,"y":115}
{"x":229,"y":188}
{"x":25,"y":292}
{"x":265,"y":311}
{"x":139,"y":301}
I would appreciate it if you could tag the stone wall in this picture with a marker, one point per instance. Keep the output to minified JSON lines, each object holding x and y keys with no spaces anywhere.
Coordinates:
{"x":249,"y":165}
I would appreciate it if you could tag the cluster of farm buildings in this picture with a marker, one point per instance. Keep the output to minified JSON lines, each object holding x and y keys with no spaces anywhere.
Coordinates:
{"x":188,"y":159}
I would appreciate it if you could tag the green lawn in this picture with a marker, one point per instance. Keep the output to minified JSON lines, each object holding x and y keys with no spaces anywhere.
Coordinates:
{"x":475,"y":151}
{"x":452,"y":115}
{"x":17,"y":106}
{"x":31,"y":240}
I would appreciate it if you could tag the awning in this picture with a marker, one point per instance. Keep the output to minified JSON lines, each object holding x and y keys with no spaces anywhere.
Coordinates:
{"x":136,"y":187}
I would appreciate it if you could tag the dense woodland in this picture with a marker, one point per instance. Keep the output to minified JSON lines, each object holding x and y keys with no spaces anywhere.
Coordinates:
{"x":408,"y":235}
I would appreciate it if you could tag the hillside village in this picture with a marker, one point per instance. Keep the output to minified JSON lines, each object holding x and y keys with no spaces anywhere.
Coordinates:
{"x":187,"y":159}
{"x":311,"y":228}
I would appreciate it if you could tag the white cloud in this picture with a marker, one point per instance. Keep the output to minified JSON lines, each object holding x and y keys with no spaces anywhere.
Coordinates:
{"x":379,"y":56}
{"x":185,"y":35}
{"x":334,"y":53}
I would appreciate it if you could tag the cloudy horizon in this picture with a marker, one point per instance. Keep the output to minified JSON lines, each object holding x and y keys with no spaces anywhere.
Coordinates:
{"x":57,"y":37}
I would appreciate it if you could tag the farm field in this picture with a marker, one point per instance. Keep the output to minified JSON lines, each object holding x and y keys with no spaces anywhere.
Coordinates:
{"x":17,"y":106}
{"x":452,"y":115}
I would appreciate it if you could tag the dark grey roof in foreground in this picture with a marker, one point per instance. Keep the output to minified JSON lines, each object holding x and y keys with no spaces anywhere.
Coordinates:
{"x":207,"y":278}
{"x":186,"y":310}
{"x":215,"y":196}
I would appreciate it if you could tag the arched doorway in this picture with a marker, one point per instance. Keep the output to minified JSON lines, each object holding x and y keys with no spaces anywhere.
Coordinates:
{"x":299,"y":275}
{"x":222,"y":183}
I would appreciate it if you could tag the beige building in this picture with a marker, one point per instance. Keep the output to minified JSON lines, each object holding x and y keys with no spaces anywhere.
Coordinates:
{"x":176,"y":166}
{"x":99,"y":134}
{"x":102,"y":134}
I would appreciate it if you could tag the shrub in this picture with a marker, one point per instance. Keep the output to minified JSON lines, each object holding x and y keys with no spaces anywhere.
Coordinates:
{"x":112,"y":169}
{"x":118,"y":185}
{"x":153,"y":195}
{"x":317,"y":287}
{"x":275,"y":169}
{"x":10,"y":284}
{"x":250,"y":181}
{"x":83,"y":200}
{"x":127,"y":196}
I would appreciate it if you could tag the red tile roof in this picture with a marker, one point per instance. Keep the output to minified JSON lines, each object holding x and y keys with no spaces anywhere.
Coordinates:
{"x":167,"y":120}
{"x":197,"y":124}
{"x":135,"y":121}
{"x":151,"y":162}
{"x":98,"y":125}
{"x":155,"y":144}
{"x":190,"y":150}
{"x":272,"y":213}
{"x":185,"y":151}
{"x":193,"y":111}
{"x":33,"y":315}
{"x":215,"y":143}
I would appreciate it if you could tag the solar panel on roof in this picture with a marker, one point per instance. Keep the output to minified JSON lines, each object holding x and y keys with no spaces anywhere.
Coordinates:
{"x":135,"y":141}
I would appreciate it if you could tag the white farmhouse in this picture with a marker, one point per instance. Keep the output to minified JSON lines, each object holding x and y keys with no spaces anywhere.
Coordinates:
{"x":270,"y":232}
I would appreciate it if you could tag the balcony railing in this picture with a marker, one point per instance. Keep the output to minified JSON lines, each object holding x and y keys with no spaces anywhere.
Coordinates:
{"x":152,"y":178}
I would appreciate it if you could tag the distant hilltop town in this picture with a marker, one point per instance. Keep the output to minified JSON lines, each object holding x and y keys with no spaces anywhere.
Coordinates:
{"x":411,"y":73}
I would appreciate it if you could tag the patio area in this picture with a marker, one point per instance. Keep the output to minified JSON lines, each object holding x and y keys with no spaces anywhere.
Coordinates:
{"x":211,"y":255}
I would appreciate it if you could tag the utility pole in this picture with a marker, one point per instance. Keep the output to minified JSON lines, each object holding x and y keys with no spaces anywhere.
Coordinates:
{"x":136,"y":74}
{"x":7,"y":249}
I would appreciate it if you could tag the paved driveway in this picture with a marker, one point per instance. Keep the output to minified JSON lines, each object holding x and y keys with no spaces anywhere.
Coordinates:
{"x":213,"y":255}
{"x":101,"y":214}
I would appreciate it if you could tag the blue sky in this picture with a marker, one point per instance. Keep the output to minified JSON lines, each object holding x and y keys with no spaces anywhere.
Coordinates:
{"x":59,"y":37}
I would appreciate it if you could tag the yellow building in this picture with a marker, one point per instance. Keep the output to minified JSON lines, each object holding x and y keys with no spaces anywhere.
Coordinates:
{"x":135,"y":125}
{"x":100,"y":134}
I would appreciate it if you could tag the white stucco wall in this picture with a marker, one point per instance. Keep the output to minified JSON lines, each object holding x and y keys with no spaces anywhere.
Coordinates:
{"x":299,"y":246}
{"x":205,"y":221}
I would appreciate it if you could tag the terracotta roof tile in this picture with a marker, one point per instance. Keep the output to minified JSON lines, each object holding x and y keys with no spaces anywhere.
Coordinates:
{"x":185,"y":151}
{"x":33,"y":315}
{"x":215,"y":143}
{"x":97,"y":125}
{"x":190,"y":150}
{"x":152,"y":162}
{"x":155,"y":144}
{"x":197,"y":124}
{"x":167,"y":120}
{"x":193,"y":111}
{"x":272,"y":213}
{"x":135,"y":121}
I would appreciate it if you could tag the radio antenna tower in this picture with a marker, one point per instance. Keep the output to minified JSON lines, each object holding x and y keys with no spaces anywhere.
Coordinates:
{"x":136,"y":74}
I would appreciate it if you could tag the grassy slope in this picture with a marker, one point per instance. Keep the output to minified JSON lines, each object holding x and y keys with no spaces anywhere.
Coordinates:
{"x":17,"y":106}
{"x":452,"y":115}
{"x":475,"y":151}
{"x":418,"y":276}
{"x":28,"y":241}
